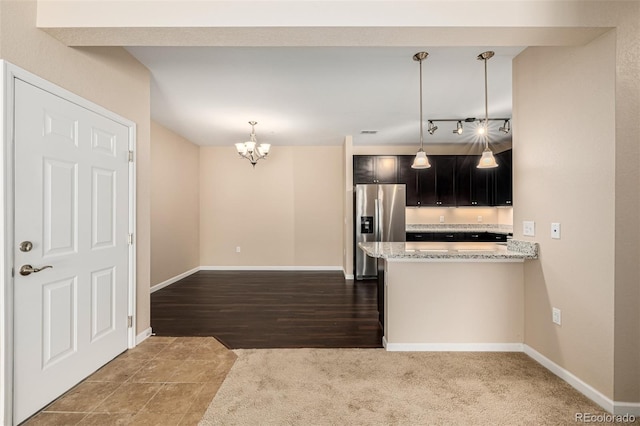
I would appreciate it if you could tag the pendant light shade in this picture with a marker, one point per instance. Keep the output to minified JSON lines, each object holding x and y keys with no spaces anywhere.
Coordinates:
{"x":487,"y":161}
{"x":421,"y":161}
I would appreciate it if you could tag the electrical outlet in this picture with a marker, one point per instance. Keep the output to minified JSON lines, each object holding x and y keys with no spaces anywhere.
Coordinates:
{"x":479,"y":219}
{"x":528,"y":228}
{"x":556,"y":316}
{"x":555,"y":230}
{"x":441,"y":219}
{"x":238,"y":249}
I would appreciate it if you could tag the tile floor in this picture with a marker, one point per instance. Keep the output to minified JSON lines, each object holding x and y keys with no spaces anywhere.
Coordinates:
{"x":162,"y":381}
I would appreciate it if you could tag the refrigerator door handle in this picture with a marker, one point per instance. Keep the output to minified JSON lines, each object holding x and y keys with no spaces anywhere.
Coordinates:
{"x":378,"y":219}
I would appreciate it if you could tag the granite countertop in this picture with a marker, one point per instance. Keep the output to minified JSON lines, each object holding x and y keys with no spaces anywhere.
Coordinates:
{"x":512,"y":250}
{"x":454,"y":227}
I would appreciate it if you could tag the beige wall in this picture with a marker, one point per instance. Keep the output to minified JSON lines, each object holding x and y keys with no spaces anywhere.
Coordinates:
{"x":564,"y":165}
{"x":454,"y":302}
{"x":347,"y":230}
{"x":287,"y":211}
{"x":175,"y":204}
{"x":110,"y":77}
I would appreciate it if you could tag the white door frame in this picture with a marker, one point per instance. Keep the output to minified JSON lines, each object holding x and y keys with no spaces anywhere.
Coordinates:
{"x":9,"y":72}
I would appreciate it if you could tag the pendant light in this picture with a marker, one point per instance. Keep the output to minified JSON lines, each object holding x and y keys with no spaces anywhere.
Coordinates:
{"x":487,"y":161}
{"x":421,"y":161}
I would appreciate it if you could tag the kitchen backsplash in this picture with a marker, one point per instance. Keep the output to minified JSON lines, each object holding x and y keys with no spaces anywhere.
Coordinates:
{"x":460,"y":215}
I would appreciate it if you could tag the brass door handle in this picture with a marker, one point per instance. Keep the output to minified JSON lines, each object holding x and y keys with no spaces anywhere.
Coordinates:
{"x":28,"y":269}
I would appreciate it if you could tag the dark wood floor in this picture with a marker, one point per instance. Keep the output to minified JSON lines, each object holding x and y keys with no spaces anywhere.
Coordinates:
{"x":269,"y":309}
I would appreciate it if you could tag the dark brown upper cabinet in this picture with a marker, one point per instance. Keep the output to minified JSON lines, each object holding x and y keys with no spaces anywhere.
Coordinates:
{"x":375,"y":169}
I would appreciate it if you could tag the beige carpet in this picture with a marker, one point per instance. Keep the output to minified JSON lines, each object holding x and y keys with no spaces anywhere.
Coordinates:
{"x":375,"y":387}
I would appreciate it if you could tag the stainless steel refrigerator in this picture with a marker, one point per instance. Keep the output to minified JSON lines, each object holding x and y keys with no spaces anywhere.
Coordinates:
{"x":379,"y":216}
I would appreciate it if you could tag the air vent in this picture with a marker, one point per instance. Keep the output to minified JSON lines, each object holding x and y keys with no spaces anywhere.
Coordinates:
{"x":368,"y":132}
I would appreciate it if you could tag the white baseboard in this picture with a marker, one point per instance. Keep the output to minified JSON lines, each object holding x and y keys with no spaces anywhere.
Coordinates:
{"x":271,"y":268}
{"x":614,"y":407}
{"x":170,"y":281}
{"x":452,"y":347}
{"x":582,"y":387}
{"x":143,"y":336}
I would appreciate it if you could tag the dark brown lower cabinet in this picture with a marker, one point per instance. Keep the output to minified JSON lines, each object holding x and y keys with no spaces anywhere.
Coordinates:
{"x":456,"y":237}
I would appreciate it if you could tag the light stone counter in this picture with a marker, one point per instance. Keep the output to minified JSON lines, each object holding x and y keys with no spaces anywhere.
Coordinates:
{"x":451,"y":227}
{"x":513,"y":250}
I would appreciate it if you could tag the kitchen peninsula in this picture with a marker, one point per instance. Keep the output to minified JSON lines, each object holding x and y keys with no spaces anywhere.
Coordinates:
{"x":452,"y":296}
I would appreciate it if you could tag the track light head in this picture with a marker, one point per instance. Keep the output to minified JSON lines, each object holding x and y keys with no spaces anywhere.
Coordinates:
{"x":458,"y":129}
{"x":432,"y":128}
{"x":506,"y":127}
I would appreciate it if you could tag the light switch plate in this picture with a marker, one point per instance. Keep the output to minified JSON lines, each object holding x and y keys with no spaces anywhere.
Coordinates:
{"x":555,"y":230}
{"x":556,"y":316}
{"x":528,"y":228}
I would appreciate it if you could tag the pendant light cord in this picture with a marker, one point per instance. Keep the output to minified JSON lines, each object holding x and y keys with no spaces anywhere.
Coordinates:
{"x":486,"y":107}
{"x":421,"y":121}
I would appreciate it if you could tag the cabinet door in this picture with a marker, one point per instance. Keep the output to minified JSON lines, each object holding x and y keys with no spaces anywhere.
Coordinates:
{"x":445,"y":180}
{"x":504,"y":179}
{"x":409,"y":177}
{"x":463,"y":179}
{"x":386,"y":169}
{"x":375,"y":169}
{"x":419,"y":236}
{"x":474,"y":186}
{"x":363,"y":169}
{"x":481,"y":185}
{"x":427,"y":195}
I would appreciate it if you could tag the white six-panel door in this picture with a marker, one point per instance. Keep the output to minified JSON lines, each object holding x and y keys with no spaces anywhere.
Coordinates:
{"x":71,"y":205}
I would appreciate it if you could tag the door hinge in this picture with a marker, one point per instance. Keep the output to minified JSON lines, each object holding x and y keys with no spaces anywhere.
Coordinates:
{"x":131,"y":156}
{"x":129,"y":321}
{"x":130,"y":239}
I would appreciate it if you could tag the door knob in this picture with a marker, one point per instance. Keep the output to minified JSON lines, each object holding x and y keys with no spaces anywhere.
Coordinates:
{"x":28,"y":269}
{"x":26,"y":246}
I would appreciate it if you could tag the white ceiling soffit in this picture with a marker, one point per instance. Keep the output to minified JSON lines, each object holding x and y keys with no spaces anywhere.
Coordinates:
{"x":317,"y":96}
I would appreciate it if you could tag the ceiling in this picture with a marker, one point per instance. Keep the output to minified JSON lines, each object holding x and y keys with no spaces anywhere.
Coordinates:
{"x":319,"y":95}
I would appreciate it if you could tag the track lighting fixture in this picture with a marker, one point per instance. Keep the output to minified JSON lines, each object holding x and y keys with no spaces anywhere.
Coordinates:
{"x":460,"y":126}
{"x":421,"y":161}
{"x":432,"y":128}
{"x":506,"y":127}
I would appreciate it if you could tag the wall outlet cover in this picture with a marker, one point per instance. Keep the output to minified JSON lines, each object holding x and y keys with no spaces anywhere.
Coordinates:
{"x":555,"y":230}
{"x":528,"y":228}
{"x":556,"y":316}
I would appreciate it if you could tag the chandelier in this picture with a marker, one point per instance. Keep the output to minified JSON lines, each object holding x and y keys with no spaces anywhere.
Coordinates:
{"x":251,"y":150}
